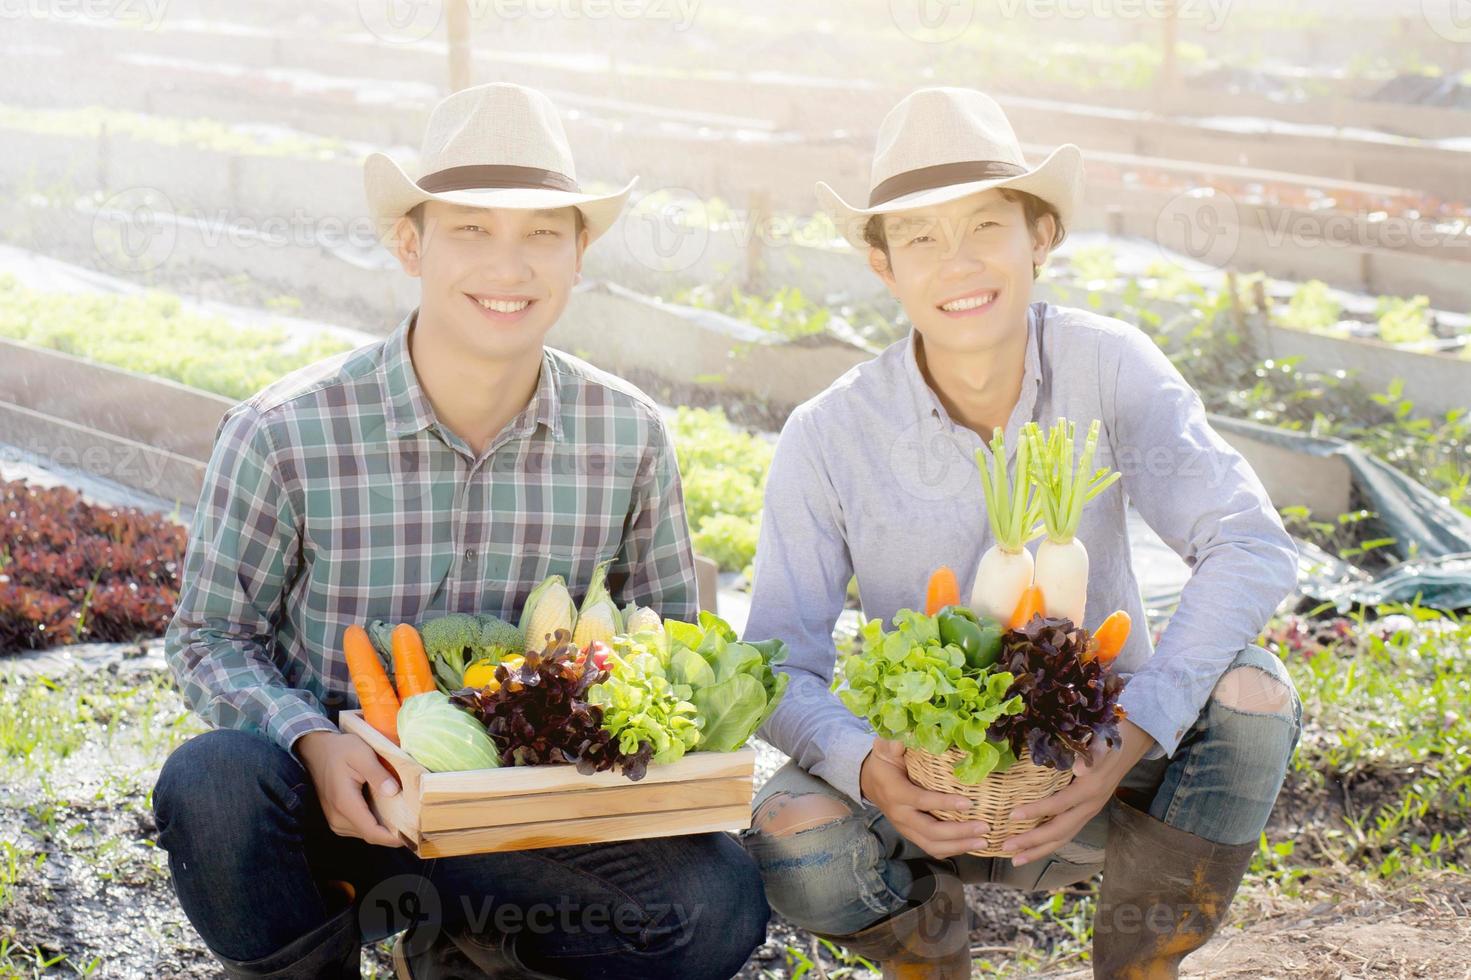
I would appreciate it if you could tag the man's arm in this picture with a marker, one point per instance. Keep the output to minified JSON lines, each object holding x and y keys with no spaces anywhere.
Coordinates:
{"x":802,"y":572}
{"x":656,"y":564}
{"x":1208,"y":505}
{"x":243,"y":553}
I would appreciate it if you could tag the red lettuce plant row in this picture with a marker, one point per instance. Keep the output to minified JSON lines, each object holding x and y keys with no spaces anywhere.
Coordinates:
{"x":73,"y":572}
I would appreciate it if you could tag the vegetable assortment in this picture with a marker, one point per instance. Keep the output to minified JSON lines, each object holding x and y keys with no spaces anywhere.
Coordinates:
{"x":539,"y":713}
{"x":915,"y":687}
{"x":1014,"y":672}
{"x":593,"y":686}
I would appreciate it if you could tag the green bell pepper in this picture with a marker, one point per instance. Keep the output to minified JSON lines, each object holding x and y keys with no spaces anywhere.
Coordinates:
{"x":979,"y":641}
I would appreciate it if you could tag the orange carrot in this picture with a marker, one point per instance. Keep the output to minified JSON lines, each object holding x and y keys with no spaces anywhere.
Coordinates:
{"x":943,"y":591}
{"x":410,"y":662}
{"x":1111,"y":634}
{"x":1031,"y":604}
{"x":375,"y":691}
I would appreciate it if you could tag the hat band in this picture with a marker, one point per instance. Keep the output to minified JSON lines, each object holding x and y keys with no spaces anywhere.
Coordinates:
{"x":485,"y":176}
{"x":941,"y":175}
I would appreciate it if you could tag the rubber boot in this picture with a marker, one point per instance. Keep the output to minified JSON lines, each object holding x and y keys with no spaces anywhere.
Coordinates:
{"x":1165,"y":892}
{"x":930,"y":940}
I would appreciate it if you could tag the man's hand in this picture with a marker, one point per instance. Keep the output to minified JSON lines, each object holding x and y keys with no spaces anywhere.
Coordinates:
{"x":1074,"y":805}
{"x":887,"y":786}
{"x":340,"y":765}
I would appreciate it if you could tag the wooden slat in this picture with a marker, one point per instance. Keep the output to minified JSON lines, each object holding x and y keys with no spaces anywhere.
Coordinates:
{"x":440,"y":787}
{"x":613,"y":801}
{"x":399,"y":813}
{"x":523,"y":837}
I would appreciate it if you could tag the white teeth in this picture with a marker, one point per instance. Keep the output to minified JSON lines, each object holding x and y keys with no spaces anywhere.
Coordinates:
{"x":969,"y":303}
{"x":505,"y":305}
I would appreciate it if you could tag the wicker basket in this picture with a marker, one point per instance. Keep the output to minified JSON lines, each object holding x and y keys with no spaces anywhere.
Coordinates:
{"x":994,"y":797}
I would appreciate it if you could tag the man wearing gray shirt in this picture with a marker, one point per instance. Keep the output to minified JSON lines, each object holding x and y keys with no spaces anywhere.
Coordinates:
{"x":875,"y":477}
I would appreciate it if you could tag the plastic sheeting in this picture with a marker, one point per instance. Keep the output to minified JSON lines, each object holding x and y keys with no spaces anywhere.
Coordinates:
{"x":1439,"y":571}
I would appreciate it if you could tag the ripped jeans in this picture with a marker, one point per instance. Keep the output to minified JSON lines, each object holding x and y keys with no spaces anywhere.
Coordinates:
{"x":846,"y":873}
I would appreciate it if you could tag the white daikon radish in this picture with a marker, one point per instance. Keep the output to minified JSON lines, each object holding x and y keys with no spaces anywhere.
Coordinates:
{"x":1012,"y":509}
{"x":1063,"y":487}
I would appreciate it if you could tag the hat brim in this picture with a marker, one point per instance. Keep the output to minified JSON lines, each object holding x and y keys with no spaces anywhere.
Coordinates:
{"x":392,"y":193}
{"x":1058,"y":180}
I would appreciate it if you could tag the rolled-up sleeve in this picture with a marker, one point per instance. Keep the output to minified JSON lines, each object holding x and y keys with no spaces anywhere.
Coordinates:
{"x":656,"y":562}
{"x":802,"y":570}
{"x":242,"y":556}
{"x":1207,"y":504}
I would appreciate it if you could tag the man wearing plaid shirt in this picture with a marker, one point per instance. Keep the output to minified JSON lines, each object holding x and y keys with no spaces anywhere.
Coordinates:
{"x":450,"y":468}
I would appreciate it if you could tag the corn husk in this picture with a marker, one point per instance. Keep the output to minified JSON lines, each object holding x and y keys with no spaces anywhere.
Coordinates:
{"x":548,"y":609}
{"x":599,"y":618}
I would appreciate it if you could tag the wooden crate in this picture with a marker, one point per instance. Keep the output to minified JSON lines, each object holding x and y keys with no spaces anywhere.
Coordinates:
{"x":442,"y":814}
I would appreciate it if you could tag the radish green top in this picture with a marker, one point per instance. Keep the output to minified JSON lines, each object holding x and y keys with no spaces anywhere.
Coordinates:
{"x":1011,"y":504}
{"x":1062,"y":487}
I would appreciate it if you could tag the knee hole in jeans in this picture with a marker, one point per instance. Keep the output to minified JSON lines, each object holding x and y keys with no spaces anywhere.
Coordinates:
{"x":785,"y":814}
{"x":1254,"y":690}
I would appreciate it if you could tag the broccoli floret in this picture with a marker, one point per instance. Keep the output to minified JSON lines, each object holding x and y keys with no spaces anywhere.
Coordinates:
{"x":452,"y":643}
{"x":499,"y":638}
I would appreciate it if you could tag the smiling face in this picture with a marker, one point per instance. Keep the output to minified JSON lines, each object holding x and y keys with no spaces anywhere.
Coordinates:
{"x":493,"y":280}
{"x":964,"y":269}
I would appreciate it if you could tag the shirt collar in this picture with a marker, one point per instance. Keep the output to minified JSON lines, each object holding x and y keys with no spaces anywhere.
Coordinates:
{"x":928,"y":403}
{"x":409,"y":410}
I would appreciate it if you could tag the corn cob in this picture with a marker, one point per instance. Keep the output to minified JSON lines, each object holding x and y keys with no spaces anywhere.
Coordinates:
{"x":548,"y":609}
{"x":599,"y":618}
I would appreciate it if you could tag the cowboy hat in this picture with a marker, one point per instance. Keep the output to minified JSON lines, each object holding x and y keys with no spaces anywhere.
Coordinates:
{"x":490,"y":146}
{"x":939,"y":144}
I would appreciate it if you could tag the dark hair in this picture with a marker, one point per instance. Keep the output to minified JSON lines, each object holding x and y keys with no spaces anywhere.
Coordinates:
{"x":416,"y":215}
{"x":1032,"y":206}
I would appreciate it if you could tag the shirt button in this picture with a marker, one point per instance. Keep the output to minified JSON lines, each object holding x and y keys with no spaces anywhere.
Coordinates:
{"x":469,"y":554}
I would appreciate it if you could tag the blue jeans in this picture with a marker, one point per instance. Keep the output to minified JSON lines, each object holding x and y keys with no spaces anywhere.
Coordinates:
{"x":842,"y":875}
{"x":249,"y":850}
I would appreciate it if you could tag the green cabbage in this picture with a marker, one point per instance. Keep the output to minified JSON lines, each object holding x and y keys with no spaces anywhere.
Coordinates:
{"x":443,"y":738}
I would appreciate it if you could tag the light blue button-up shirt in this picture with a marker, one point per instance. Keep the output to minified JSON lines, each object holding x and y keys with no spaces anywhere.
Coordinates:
{"x":872,"y":478}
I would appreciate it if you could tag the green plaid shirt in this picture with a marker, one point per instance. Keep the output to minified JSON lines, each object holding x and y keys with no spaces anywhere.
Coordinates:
{"x":335,"y":496}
